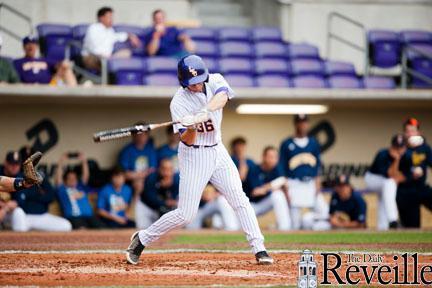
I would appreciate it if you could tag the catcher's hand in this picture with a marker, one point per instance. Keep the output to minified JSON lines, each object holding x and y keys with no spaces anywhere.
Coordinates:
{"x":31,"y":176}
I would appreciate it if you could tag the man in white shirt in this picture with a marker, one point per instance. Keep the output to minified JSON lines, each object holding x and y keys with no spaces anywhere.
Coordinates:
{"x":100,"y":39}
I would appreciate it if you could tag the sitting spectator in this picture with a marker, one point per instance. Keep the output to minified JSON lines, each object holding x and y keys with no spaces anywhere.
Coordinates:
{"x":170,"y":149}
{"x":383,"y":177}
{"x":73,"y":193}
{"x":34,"y":201}
{"x":167,"y":41}
{"x":32,"y":69}
{"x":8,"y":73}
{"x":160,"y":192}
{"x":100,"y":38}
{"x":347,"y":207}
{"x":114,"y":201}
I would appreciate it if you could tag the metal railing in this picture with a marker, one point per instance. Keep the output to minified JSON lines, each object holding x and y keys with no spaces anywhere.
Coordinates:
{"x":407,"y":71}
{"x":331,"y":35}
{"x":19,"y":14}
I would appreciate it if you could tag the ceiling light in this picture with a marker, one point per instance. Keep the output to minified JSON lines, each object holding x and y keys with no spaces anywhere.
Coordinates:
{"x":281,"y":109}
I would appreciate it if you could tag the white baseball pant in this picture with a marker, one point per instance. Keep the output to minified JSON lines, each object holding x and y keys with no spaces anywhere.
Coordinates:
{"x":41,"y":222}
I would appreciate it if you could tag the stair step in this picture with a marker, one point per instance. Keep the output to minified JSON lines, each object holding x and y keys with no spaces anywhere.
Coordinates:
{"x":220,"y":21}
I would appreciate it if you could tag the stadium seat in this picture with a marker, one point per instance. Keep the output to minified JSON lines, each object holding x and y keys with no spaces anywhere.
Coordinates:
{"x":207,"y":49}
{"x":240,"y":80}
{"x":266,"y":34}
{"x":212,"y":64}
{"x":272,"y":67}
{"x":236,"y":66}
{"x":416,"y":37}
{"x":309,"y":82}
{"x":79,"y":31}
{"x":270,"y":50}
{"x":272,"y":81}
{"x":160,"y":64}
{"x":127,"y":78}
{"x":127,"y":71}
{"x":158,"y":79}
{"x":137,"y":30}
{"x":333,"y":68}
{"x":46,"y":29}
{"x":55,"y":46}
{"x":384,"y":48}
{"x":307,"y":67}
{"x":236,"y":49}
{"x":378,"y":82}
{"x":420,"y":63}
{"x":344,"y":82}
{"x":302,"y":51}
{"x":202,"y":33}
{"x":234,"y":34}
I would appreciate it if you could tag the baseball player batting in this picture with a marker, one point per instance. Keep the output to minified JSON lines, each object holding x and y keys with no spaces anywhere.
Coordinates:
{"x":198,"y":105}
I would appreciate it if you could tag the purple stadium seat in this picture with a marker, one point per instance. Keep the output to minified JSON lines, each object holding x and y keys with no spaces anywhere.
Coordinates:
{"x":79,"y":31}
{"x":266,"y":34}
{"x":126,"y":78}
{"x":236,"y":66}
{"x":339,"y":68}
{"x":272,"y":67}
{"x":309,"y":82}
{"x":54,"y":47}
{"x":212,"y":65}
{"x":236,"y":49}
{"x":54,"y":29}
{"x":207,"y":49}
{"x":159,"y":79}
{"x":270,"y":50}
{"x":236,"y":80}
{"x":416,"y":37}
{"x":234,"y":34}
{"x":137,"y":30}
{"x":384,"y":48}
{"x":307,"y":67}
{"x":344,"y":82}
{"x":302,"y":51}
{"x":272,"y":81}
{"x":130,"y":64}
{"x":160,"y":64}
{"x":420,"y":63}
{"x":202,"y":33}
{"x":378,"y":82}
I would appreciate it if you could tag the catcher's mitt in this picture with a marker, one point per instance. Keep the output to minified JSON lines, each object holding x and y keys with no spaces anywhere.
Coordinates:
{"x":31,"y":176}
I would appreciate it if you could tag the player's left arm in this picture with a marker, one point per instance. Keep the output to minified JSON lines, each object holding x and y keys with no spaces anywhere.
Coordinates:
{"x":7,"y":184}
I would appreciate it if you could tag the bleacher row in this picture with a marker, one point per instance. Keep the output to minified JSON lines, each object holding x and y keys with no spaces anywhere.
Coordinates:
{"x":386,"y":49}
{"x":249,"y":57}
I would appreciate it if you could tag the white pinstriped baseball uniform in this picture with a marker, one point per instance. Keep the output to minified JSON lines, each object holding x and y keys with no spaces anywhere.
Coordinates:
{"x":200,"y":165}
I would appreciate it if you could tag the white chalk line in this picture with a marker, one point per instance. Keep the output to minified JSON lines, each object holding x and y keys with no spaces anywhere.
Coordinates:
{"x":167,"y":251}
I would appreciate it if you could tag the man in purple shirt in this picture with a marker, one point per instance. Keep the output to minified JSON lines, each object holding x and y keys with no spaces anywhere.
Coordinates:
{"x":32,"y":69}
{"x":167,"y":41}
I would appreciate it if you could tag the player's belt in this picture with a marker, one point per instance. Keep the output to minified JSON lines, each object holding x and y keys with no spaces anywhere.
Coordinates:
{"x":199,"y":146}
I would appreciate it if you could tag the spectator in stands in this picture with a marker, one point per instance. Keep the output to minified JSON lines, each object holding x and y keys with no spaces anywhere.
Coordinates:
{"x":114,"y":201}
{"x":160,"y":192}
{"x":34,"y":201}
{"x":300,"y":161}
{"x":32,"y":69}
{"x":73,"y":192}
{"x":170,"y":149}
{"x":167,"y":41}
{"x":383,"y":177}
{"x":100,"y":38}
{"x":412,"y":190}
{"x":8,"y":73}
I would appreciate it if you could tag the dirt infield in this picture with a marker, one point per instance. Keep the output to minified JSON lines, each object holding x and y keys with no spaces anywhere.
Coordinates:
{"x":96,"y":259}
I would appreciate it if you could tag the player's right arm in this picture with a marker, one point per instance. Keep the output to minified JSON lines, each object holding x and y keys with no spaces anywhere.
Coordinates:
{"x":186,"y":127}
{"x":7,"y":184}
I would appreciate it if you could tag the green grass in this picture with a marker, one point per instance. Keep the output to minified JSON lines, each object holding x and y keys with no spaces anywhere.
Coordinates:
{"x":315,"y":239}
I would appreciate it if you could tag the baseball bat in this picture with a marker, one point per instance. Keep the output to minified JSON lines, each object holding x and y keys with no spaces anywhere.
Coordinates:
{"x":107,"y":135}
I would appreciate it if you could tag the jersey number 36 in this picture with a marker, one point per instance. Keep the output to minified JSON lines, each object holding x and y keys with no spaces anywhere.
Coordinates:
{"x":205,"y":126}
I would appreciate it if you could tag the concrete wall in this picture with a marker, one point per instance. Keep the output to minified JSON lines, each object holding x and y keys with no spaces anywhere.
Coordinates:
{"x":135,"y":12}
{"x":307,"y":21}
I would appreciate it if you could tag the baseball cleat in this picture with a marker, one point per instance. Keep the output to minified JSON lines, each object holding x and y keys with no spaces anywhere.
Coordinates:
{"x":263,"y":258}
{"x":134,"y":250}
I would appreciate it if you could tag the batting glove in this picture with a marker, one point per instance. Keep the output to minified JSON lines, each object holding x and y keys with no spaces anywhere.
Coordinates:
{"x":188,"y":120}
{"x":201,"y":116}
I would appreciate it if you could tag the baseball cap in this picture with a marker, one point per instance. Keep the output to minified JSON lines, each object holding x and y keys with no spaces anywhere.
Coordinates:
{"x":412,"y":122}
{"x":398,"y":141}
{"x":30,"y":39}
{"x":13,"y":157}
{"x":300,"y":118}
{"x":342,"y":179}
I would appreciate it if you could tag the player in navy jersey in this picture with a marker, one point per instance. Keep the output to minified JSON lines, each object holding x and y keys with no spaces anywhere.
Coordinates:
{"x":170,"y":149}
{"x":300,"y":162}
{"x":413,"y":191}
{"x":383,"y":177}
